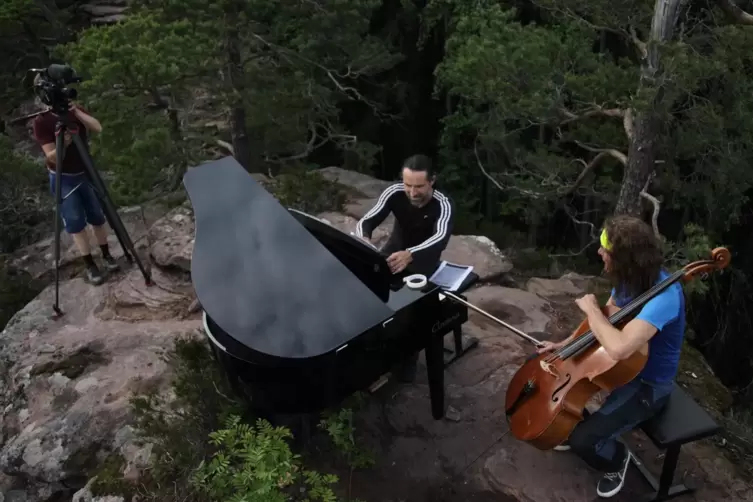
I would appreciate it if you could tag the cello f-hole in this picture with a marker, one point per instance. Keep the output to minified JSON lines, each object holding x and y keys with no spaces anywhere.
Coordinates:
{"x":555,"y":398}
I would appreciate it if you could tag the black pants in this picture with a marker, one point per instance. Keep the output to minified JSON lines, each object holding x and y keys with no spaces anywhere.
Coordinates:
{"x":595,"y":439}
{"x":427,"y":267}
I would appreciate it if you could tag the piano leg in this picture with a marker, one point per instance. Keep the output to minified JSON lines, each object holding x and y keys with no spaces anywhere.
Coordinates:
{"x":435,"y":372}
{"x":451,"y":356}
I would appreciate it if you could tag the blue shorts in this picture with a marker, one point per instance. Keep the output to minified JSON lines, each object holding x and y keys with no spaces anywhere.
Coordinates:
{"x":80,"y":204}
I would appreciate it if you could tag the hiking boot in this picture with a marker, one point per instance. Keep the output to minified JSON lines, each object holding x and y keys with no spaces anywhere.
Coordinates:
{"x":612,"y":482}
{"x":110,"y":264}
{"x":94,"y":275}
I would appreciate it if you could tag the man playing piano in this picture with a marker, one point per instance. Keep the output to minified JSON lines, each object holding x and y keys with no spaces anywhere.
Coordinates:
{"x":422,"y":229}
{"x":423,"y":219}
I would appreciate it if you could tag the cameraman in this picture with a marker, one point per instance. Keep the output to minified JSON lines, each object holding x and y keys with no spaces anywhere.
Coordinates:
{"x":79,"y":204}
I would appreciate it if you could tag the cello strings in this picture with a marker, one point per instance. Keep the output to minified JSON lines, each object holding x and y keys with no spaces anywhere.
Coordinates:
{"x":587,"y":338}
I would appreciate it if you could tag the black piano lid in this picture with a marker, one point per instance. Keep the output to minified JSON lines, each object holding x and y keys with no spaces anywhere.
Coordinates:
{"x":262,"y":277}
{"x":365,"y":262}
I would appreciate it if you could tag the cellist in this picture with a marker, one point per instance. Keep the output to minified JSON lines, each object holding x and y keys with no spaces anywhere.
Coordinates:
{"x":633,"y":261}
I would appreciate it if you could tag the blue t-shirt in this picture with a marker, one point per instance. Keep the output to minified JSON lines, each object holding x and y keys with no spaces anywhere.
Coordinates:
{"x":666,"y":312}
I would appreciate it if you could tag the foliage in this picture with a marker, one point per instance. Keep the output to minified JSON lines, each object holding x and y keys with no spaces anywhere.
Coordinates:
{"x":340,"y":426}
{"x":204,"y":449}
{"x":25,"y":199}
{"x":27,"y":31}
{"x":695,"y":245}
{"x":109,"y":478}
{"x":513,"y":82}
{"x":165,"y":87}
{"x":308,"y":191}
{"x":530,"y":88}
{"x":532,"y":97}
{"x":255,"y":464}
{"x":178,"y":427}
{"x":16,"y":290}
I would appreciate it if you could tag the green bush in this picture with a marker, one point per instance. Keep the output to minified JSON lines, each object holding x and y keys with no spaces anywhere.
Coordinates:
{"x":204,"y":448}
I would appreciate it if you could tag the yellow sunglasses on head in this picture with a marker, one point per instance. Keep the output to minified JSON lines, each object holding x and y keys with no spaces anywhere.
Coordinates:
{"x":605,"y":240}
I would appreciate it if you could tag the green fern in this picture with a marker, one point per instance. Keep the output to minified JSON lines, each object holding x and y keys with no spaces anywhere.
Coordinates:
{"x":255,"y":464}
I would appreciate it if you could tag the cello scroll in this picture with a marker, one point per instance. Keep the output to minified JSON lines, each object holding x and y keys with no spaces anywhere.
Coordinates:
{"x":720,"y":259}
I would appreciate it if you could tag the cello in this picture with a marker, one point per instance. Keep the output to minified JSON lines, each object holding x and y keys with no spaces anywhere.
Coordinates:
{"x":546,"y":396}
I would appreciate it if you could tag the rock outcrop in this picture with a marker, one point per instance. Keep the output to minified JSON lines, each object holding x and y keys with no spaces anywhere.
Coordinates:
{"x":105,"y":11}
{"x":66,"y":382}
{"x":38,"y":259}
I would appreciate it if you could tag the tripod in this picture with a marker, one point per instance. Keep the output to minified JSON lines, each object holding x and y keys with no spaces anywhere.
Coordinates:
{"x":99,"y":188}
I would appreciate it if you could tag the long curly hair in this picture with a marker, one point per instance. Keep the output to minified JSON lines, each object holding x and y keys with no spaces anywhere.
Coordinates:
{"x":635,"y":257}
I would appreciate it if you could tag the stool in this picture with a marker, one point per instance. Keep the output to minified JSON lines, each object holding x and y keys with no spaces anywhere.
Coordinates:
{"x":682,"y":421}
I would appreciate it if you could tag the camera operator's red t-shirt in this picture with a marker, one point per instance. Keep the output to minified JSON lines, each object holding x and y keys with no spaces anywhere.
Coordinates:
{"x":44,"y":133}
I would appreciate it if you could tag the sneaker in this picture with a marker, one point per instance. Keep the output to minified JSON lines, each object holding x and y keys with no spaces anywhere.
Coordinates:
{"x":94,"y":275}
{"x":110,"y":264}
{"x":562,"y":447}
{"x":612,"y":482}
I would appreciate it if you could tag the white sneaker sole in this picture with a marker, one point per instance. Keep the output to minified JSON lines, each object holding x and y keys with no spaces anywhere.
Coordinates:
{"x":617,"y":488}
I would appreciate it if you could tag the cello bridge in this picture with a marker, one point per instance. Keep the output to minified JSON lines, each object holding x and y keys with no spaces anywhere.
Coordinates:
{"x":547,"y":367}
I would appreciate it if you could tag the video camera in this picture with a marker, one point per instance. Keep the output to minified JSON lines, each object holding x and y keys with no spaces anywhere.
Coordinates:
{"x":50,"y":85}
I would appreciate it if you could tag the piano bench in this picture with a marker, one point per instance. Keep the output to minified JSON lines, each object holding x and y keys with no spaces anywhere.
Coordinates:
{"x":682,"y":421}
{"x":460,"y":348}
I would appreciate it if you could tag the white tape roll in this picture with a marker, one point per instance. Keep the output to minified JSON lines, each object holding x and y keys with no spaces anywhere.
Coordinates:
{"x":415,"y":281}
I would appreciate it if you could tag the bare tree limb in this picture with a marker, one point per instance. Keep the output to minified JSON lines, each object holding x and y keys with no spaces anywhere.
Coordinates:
{"x":734,"y":12}
{"x":333,"y":75}
{"x":310,"y":147}
{"x":568,"y":210}
{"x":496,"y":183}
{"x":595,"y":111}
{"x":227,"y":146}
{"x":628,"y":123}
{"x":603,"y":153}
{"x":314,"y":143}
{"x":627,"y":116}
{"x":621,"y":157}
{"x":24,"y":118}
{"x":630,"y":36}
{"x":591,"y":230}
{"x":606,"y":153}
{"x":657,"y":206}
{"x":639,"y":44}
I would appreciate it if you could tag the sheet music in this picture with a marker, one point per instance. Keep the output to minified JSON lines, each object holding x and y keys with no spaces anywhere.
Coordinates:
{"x":450,"y":276}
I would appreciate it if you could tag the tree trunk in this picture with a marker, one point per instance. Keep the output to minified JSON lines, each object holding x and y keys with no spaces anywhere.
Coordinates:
{"x":648,"y":123}
{"x":641,"y":163}
{"x":239,"y":137}
{"x":235,"y":87}
{"x":533,"y":227}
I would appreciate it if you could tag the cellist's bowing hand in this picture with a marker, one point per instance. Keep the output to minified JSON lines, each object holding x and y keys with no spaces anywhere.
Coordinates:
{"x":588,"y":304}
{"x":547,"y":347}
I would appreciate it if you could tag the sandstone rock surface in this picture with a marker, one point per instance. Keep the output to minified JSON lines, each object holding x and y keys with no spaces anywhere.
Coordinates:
{"x":66,"y":382}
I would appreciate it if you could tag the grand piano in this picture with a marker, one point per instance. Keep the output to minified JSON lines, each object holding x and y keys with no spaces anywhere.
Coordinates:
{"x":299,"y":314}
